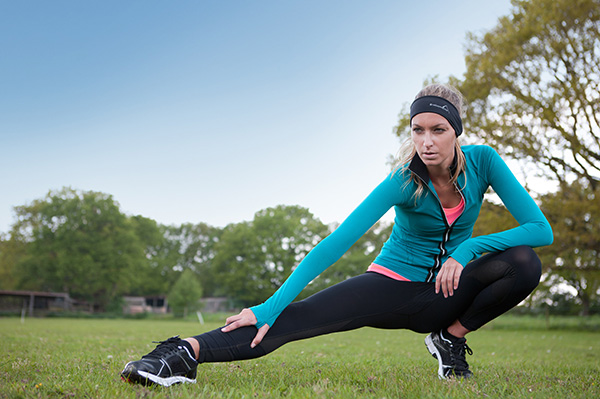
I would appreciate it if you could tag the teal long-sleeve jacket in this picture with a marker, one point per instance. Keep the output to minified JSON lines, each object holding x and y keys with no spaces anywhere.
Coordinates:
{"x":421,"y":238}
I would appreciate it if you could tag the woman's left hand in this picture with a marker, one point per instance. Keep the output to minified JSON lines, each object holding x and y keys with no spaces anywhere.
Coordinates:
{"x":448,"y":277}
{"x":246,"y":318}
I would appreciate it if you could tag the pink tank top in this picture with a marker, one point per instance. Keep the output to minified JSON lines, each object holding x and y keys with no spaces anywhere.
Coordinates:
{"x":453,"y":213}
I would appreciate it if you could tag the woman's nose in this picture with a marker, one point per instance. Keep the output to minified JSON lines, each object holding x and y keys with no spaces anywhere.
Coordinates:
{"x":427,"y":140}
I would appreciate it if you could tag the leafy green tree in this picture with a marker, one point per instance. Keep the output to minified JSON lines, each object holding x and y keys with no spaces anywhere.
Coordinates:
{"x":574,"y":213}
{"x":254,"y":258}
{"x":151,"y":278}
{"x":238,"y":264}
{"x":78,"y":242}
{"x":172,"y":249}
{"x":185,"y":294}
{"x":190,"y":246}
{"x":11,"y":250}
{"x":533,"y":87}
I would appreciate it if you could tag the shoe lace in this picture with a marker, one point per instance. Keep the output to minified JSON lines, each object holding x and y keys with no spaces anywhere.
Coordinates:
{"x":458,"y":351}
{"x":164,"y":347}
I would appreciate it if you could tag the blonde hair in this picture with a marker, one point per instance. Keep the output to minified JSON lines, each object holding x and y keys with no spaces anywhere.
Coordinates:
{"x":408,"y":150}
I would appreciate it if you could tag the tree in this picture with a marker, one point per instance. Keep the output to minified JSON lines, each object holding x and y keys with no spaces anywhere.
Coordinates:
{"x":149,"y":278}
{"x":190,"y":246}
{"x":574,"y":213}
{"x":533,"y":87}
{"x":185,"y":294}
{"x":78,"y":242}
{"x":254,"y":258}
{"x":11,"y":251}
{"x":238,"y":264}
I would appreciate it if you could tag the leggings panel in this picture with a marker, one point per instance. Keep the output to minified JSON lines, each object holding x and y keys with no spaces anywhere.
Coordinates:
{"x":488,"y":287}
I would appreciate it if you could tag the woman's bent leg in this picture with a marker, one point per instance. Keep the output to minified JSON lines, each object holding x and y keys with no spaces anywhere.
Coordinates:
{"x":488,"y":287}
{"x":520,"y":269}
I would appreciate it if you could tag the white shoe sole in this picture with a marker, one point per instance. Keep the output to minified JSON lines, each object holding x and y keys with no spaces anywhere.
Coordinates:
{"x":435,"y":353}
{"x":166,"y":382}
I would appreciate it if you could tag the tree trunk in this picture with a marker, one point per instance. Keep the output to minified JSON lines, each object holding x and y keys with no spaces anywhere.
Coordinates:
{"x":585,"y":305}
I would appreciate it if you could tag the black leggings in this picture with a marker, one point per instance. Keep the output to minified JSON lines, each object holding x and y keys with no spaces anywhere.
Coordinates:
{"x":488,"y":287}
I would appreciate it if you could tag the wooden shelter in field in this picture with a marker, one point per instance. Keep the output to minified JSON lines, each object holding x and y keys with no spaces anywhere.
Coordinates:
{"x":33,"y":302}
{"x":145,"y":304}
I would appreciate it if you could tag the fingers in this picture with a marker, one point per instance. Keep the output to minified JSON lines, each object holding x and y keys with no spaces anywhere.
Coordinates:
{"x":449,"y":282}
{"x":244,"y":318}
{"x":457,"y":274}
{"x":441,"y":282}
{"x":260,"y":335}
{"x":448,"y":278}
{"x":232,"y":322}
{"x":445,"y":286}
{"x":231,"y":325}
{"x":232,"y":319}
{"x":450,"y":285}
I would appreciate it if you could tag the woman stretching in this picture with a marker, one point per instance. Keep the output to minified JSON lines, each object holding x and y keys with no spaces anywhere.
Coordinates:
{"x":429,"y":277}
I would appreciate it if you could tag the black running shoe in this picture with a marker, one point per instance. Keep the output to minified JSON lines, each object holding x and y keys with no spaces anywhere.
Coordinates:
{"x":169,"y":363}
{"x":450,"y":355}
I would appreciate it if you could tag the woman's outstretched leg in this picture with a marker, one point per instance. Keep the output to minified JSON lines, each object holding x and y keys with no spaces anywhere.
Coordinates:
{"x":369,"y":299}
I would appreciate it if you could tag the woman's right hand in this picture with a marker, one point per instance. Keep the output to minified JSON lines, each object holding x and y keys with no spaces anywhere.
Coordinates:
{"x":448,"y":277}
{"x":246,"y":318}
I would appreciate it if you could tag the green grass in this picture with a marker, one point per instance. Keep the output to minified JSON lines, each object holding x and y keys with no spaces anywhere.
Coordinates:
{"x":514,"y":357}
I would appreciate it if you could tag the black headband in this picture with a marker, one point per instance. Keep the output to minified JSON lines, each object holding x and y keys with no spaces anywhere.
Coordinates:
{"x":440,"y":106}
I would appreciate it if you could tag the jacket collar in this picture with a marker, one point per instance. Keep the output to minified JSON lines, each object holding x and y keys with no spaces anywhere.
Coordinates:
{"x":418,"y":167}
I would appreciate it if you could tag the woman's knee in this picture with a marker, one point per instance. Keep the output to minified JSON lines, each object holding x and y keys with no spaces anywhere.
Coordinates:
{"x":525,"y":264}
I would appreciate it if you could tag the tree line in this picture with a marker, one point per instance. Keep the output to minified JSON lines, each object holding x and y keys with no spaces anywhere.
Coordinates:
{"x":80,"y":242}
{"x":533,"y":88}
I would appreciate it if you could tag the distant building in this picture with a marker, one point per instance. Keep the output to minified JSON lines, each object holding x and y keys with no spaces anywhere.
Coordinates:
{"x":159,"y":305}
{"x":34,"y":302}
{"x":145,"y":304}
{"x":216,"y":304}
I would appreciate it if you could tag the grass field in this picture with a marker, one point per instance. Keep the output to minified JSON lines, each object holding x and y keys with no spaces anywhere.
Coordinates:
{"x":515,"y":357}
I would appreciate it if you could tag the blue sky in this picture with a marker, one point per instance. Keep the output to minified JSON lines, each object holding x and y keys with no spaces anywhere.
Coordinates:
{"x":208,"y":111}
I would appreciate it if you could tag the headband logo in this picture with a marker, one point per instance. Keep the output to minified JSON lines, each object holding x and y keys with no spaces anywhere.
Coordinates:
{"x":444,"y":107}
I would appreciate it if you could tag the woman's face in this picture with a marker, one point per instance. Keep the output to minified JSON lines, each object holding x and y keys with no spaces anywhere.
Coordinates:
{"x":434,"y":139}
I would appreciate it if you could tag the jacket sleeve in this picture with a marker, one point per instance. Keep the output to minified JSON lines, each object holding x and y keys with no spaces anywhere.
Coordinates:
{"x":533,"y":230}
{"x":329,"y":250}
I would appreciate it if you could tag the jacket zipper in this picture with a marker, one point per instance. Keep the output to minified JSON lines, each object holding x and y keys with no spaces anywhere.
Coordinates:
{"x":442,"y":246}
